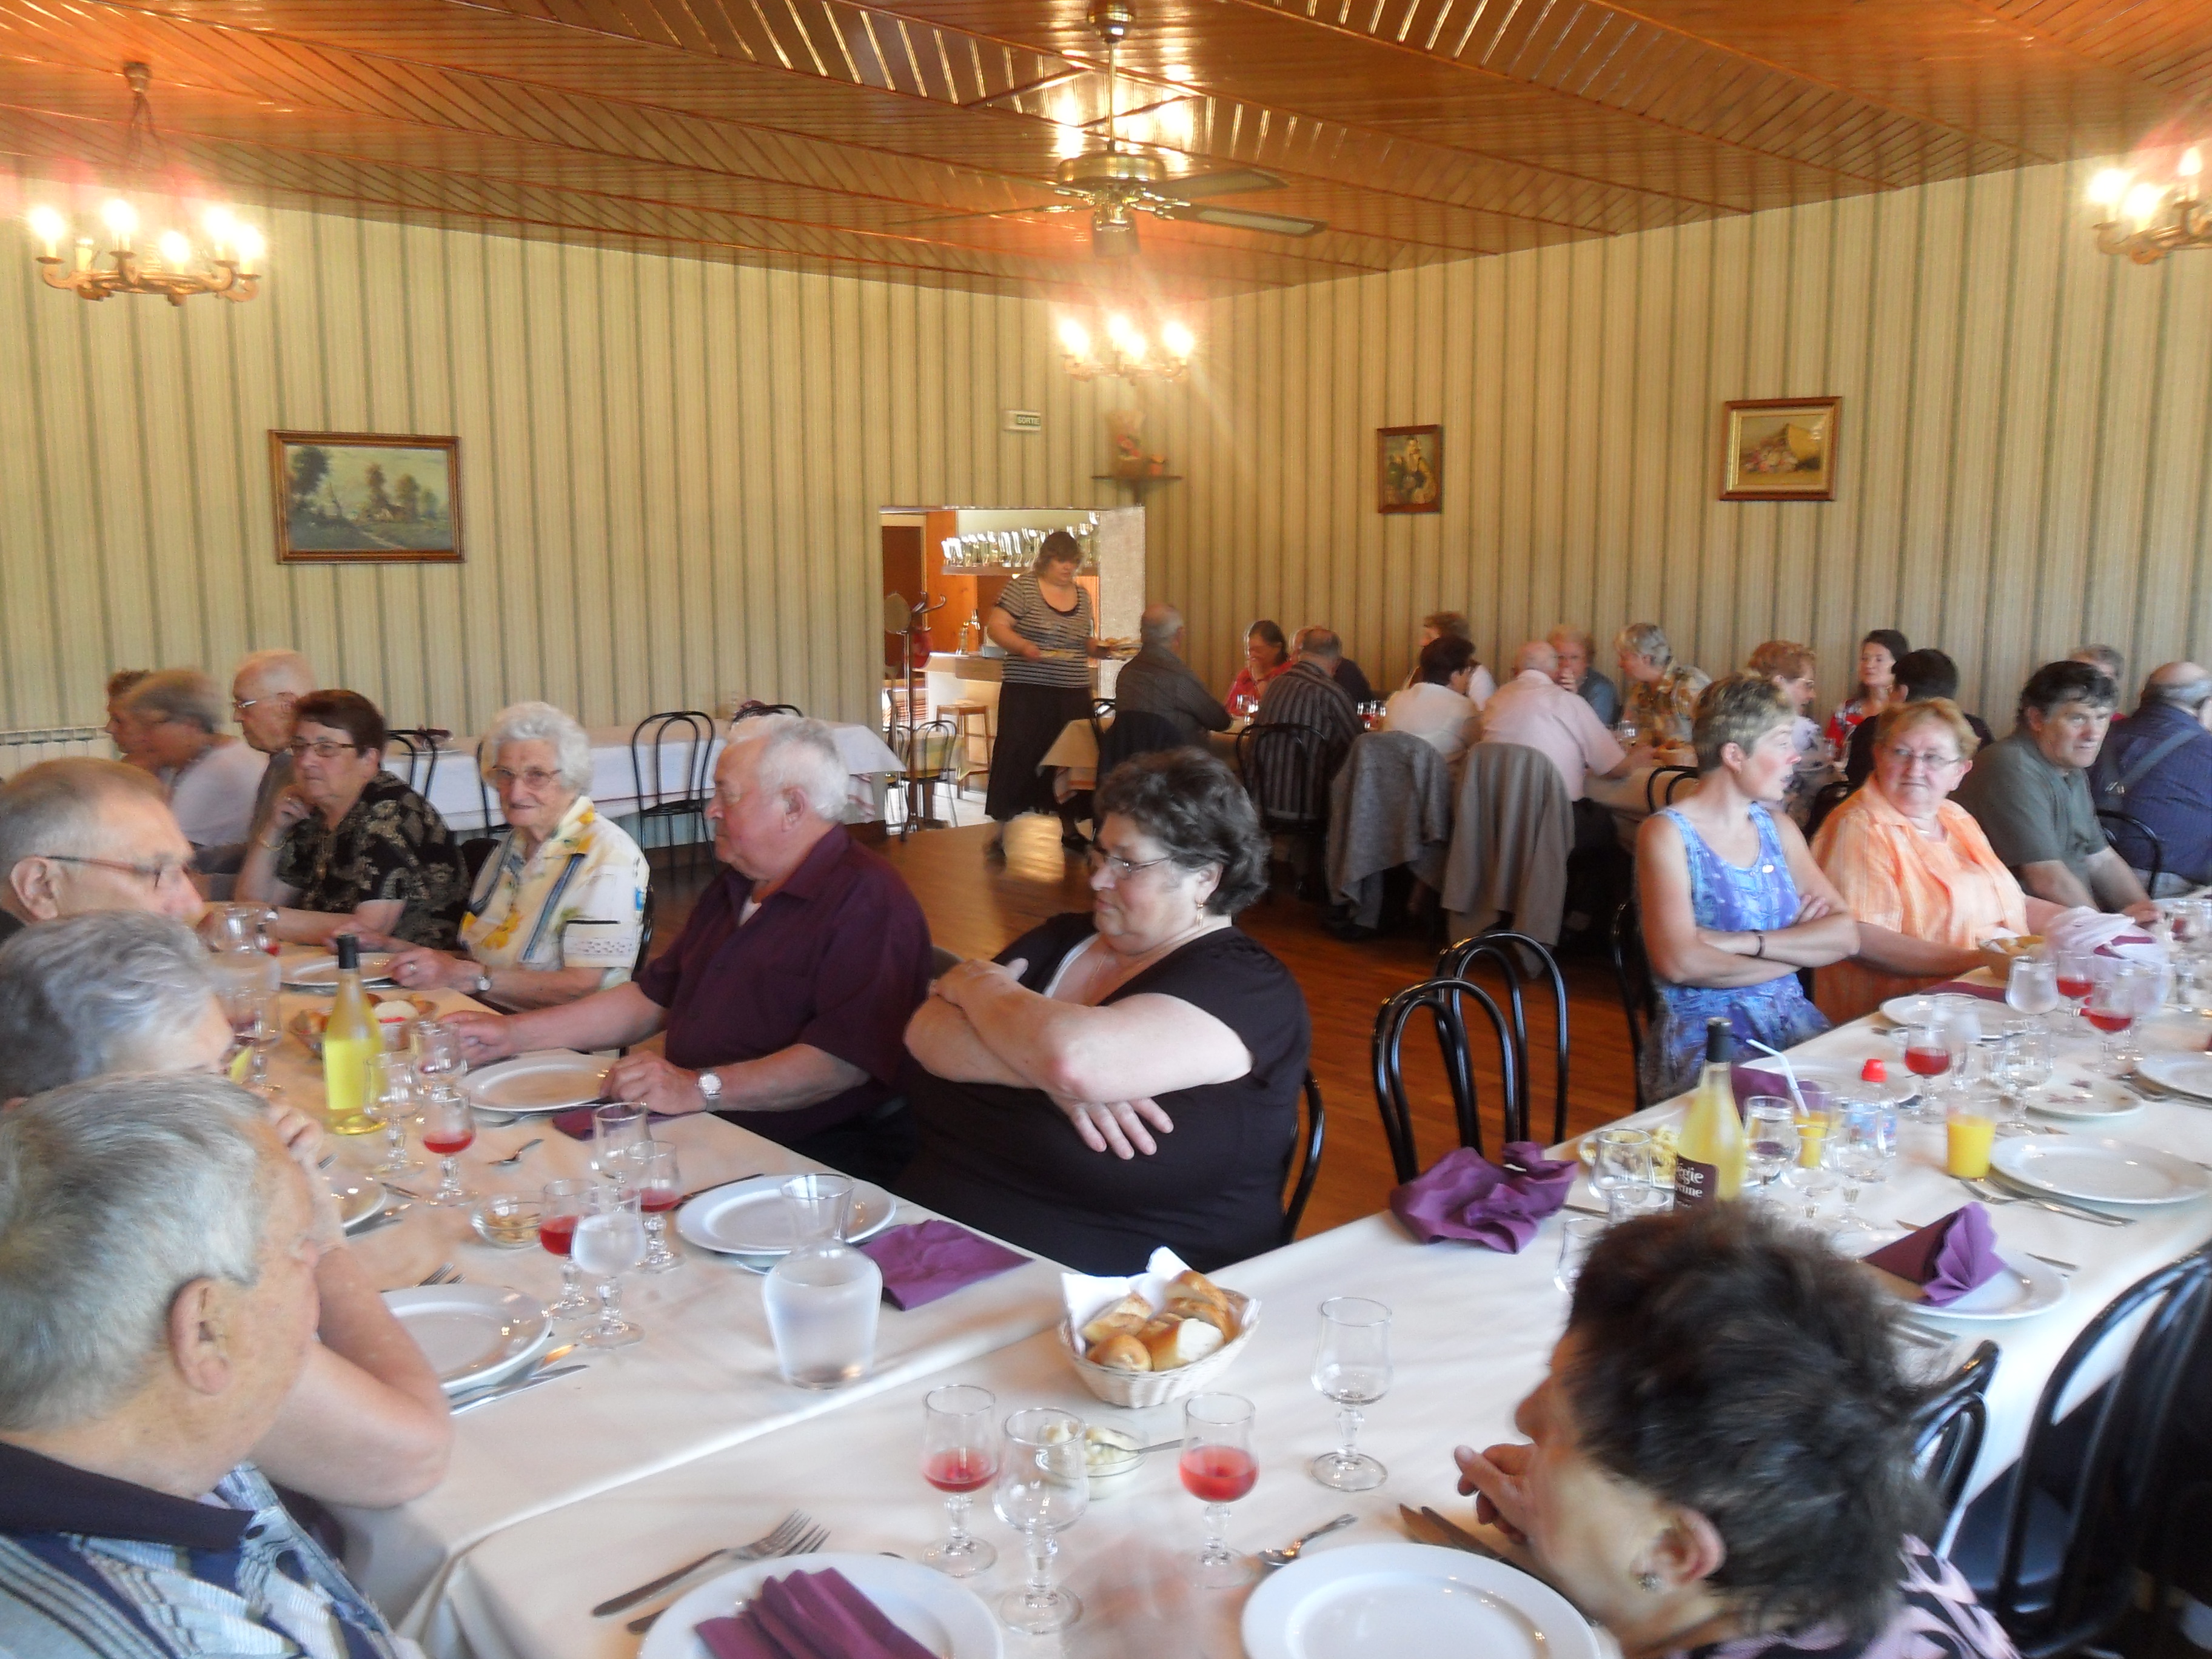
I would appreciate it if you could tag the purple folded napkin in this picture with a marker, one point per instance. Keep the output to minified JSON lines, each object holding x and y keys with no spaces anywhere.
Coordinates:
{"x":577,"y":1125}
{"x":1960,"y":988}
{"x":930,"y":1259}
{"x":1751,"y":1080}
{"x":1464,"y":1195}
{"x":1946,"y":1259}
{"x":809,"y":1615}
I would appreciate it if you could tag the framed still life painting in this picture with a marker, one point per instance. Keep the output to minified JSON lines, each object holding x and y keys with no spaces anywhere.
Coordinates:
{"x":362,"y":498}
{"x":1779,"y":449}
{"x":1409,"y":469}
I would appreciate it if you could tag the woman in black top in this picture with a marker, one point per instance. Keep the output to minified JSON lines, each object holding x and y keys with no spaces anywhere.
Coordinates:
{"x":1046,"y":612}
{"x":1127,"y":1078}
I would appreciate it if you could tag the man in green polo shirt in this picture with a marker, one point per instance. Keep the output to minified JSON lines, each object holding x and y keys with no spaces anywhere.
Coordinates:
{"x":2030,"y":793}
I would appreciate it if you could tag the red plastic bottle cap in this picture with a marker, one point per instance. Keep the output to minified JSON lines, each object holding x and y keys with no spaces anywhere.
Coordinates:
{"x":1874,"y":1071}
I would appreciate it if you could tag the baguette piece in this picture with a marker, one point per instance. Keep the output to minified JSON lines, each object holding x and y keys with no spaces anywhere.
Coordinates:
{"x":1183,"y":1342}
{"x":1121,"y":1352}
{"x":1209,"y":1313}
{"x":1123,"y":1318}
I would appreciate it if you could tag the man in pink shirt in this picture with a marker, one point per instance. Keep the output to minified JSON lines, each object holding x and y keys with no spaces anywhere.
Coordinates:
{"x":1533,"y":708}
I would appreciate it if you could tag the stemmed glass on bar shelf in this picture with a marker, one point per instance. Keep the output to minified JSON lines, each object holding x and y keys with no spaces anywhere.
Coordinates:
{"x":395,"y":1094}
{"x":1219,"y":1467}
{"x":609,"y":1241}
{"x":1044,"y":1486}
{"x":1351,"y":1366}
{"x":660,"y":1185}
{"x":959,"y":1457}
{"x":556,"y":1233}
{"x":449,"y":1130}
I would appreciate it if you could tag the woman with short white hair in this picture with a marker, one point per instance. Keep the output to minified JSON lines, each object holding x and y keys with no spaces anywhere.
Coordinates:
{"x":558,"y":910}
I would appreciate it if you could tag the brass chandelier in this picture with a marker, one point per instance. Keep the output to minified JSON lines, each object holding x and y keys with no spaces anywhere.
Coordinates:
{"x":1125,"y":351}
{"x":140,"y":258}
{"x":2147,"y":220}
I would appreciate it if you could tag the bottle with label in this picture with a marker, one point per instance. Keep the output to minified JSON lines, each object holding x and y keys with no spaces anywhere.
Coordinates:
{"x":348,"y":1041}
{"x":1709,"y":1147}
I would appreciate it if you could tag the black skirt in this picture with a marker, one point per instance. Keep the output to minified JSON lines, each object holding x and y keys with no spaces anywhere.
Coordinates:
{"x":1031,"y":719}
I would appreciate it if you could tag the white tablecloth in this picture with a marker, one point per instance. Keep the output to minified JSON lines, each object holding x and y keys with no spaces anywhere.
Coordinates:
{"x":614,"y":789}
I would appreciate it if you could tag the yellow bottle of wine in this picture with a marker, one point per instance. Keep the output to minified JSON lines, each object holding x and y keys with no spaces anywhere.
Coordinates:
{"x":348,"y":1041}
{"x":1709,"y":1147}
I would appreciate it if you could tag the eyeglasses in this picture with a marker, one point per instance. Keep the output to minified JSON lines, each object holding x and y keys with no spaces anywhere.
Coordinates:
{"x":323,"y":749}
{"x":1122,"y":868}
{"x":153,"y":874}
{"x":241,"y":704}
{"x":537,"y":777}
{"x":1934,"y":762}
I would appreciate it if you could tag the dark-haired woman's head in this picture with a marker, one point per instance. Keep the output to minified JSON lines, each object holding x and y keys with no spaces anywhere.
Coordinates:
{"x":1178,"y":842}
{"x":1061,"y":548}
{"x":1265,"y":649}
{"x":1725,"y":1428}
{"x":1447,"y":660}
{"x":1878,"y":654}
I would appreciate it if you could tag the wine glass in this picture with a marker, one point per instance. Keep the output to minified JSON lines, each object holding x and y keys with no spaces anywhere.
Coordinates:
{"x":1044,"y":1485}
{"x":448,"y":1131}
{"x":438,"y":1052}
{"x":2031,"y":988}
{"x":1928,"y":1051}
{"x":959,"y":1457}
{"x":1770,"y":1130}
{"x":1858,"y":1155}
{"x":1579,"y":1235}
{"x":2075,"y":977}
{"x":617,"y":1130}
{"x":2019,"y":1061}
{"x":1626,"y":730}
{"x":1619,"y":1157}
{"x":268,"y":1030}
{"x":1218,"y":1467}
{"x":1351,"y":1366}
{"x":2121,"y":993}
{"x":557,"y":1232}
{"x":394,"y":1093}
{"x":1810,"y":1174}
{"x":609,"y":1241}
{"x":660,"y":1189}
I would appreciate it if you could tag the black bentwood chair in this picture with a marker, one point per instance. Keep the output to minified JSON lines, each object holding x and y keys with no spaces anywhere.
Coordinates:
{"x":1444,"y":999}
{"x":1518,"y":957}
{"x":1284,"y":768}
{"x":1632,"y":976}
{"x":424,"y":746}
{"x":1305,"y":1160}
{"x":683,"y":802}
{"x":1664,"y":784}
{"x":752,"y":708}
{"x":1948,"y":1435}
{"x":1825,"y":800}
{"x":2116,"y":824}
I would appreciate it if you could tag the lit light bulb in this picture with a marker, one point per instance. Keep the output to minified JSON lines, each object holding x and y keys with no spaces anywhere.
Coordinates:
{"x":121,"y":219}
{"x":2106,"y":188}
{"x":251,"y":247}
{"x":1179,"y":340}
{"x":1126,"y":339}
{"x":176,"y":250}
{"x":1074,"y":337}
{"x":2143,"y":202}
{"x":2192,"y":163}
{"x":222,"y":228}
{"x":49,"y":226}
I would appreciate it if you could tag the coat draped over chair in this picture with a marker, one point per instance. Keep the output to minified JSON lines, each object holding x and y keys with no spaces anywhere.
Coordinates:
{"x":1512,"y":829}
{"x":1389,"y":805}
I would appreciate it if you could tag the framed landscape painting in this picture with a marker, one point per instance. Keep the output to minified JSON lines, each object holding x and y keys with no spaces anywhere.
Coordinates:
{"x":1409,"y":469}
{"x":1779,"y":449}
{"x":365,"y":497}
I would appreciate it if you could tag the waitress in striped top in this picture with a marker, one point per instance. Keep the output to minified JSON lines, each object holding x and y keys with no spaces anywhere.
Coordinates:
{"x":1043,"y":621}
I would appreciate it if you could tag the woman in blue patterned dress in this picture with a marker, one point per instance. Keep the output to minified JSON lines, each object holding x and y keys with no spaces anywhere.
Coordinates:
{"x":1732,"y":903}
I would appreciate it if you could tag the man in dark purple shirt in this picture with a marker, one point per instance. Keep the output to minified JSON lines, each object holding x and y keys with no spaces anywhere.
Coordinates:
{"x":786,"y":999}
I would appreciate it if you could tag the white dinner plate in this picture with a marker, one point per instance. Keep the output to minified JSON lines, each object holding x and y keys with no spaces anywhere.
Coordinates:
{"x":1920,"y":1009}
{"x":2102,"y":1171}
{"x":2077,"y":1097}
{"x":1411,"y":1601}
{"x":942,"y":1615}
{"x":321,"y":973}
{"x":539,"y":1081}
{"x":2185,"y":1074}
{"x":359,"y":1197}
{"x":747,"y":1217}
{"x":2024,"y":1286}
{"x":471,"y":1334}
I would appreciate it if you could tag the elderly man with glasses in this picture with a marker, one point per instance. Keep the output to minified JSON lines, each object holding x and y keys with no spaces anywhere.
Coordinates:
{"x":82,"y":834}
{"x":264,"y":689}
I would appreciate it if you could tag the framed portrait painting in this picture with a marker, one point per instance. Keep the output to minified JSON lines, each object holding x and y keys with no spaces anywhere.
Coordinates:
{"x":1409,"y":469}
{"x":365,"y":497}
{"x":1779,"y":449}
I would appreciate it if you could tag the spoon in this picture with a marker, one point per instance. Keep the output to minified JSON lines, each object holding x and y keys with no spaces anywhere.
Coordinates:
{"x":515,"y":1157}
{"x":1289,"y":1552}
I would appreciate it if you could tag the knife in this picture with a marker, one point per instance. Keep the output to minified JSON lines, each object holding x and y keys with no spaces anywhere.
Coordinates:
{"x":485,"y":1396}
{"x":1431,"y":1528}
{"x":1459,"y":1536}
{"x":382,"y":1218}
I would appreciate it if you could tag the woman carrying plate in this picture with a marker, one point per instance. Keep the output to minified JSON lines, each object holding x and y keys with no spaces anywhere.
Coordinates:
{"x":1127,"y":1078}
{"x":1915,"y":869}
{"x":1720,"y":1464}
{"x":559,"y":906}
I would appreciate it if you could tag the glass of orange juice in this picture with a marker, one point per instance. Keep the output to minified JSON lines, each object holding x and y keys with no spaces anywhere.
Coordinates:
{"x":1968,"y":1128}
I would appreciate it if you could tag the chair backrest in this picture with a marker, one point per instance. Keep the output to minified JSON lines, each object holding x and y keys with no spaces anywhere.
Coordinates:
{"x":1632,"y":975}
{"x":929,"y":750}
{"x":1519,"y":957}
{"x":1664,"y":784}
{"x":2113,"y":820}
{"x":1948,"y":1435}
{"x":1305,"y":1160}
{"x":942,"y":961}
{"x":752,"y":706}
{"x":2105,"y":1481}
{"x":1135,"y":732}
{"x":695,"y":731}
{"x":491,"y":815}
{"x":1285,"y":767}
{"x":1829,"y":798}
{"x":422,"y":747}
{"x":1445,"y":999}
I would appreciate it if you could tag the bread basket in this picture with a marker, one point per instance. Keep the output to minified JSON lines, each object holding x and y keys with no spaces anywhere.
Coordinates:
{"x":1139,"y":1390}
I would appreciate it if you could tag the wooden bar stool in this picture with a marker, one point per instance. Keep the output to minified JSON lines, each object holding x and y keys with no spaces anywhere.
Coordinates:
{"x":960,"y":714}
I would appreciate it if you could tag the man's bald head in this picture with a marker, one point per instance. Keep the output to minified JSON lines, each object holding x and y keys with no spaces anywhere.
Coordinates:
{"x":1538,"y":655}
{"x":82,"y":834}
{"x":2186,"y":685}
{"x":262,"y":689}
{"x":1160,"y":625}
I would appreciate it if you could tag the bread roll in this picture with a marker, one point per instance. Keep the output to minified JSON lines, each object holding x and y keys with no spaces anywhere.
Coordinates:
{"x":1191,"y":1307}
{"x":1123,"y":1318}
{"x":1121,"y":1352}
{"x":1181,"y":1342}
{"x":1191,"y":1284}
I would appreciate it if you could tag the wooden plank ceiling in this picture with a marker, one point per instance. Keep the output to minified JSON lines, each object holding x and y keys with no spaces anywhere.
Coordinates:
{"x":829,"y":134}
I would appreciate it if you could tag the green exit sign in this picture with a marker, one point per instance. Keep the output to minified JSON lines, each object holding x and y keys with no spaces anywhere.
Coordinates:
{"x":1024,"y":420}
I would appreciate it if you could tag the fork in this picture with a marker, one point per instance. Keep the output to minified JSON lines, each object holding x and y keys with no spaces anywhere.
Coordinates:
{"x":792,"y":1526}
{"x":1989,"y":1195}
{"x":444,"y":1274}
{"x":515,"y":1157}
{"x":807,"y":1543}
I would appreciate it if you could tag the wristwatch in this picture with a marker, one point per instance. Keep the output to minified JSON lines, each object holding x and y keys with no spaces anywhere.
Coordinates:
{"x":482,"y":987}
{"x":710,"y":1087}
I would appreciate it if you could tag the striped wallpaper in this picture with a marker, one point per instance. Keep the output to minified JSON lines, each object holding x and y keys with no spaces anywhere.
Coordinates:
{"x":671,"y":469}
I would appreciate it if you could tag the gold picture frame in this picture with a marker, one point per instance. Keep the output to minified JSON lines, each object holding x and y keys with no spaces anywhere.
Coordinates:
{"x":365,"y":498}
{"x":1409,"y":469}
{"x":1780,"y":449}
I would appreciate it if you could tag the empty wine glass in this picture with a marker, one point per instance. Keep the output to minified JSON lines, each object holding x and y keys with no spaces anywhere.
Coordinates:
{"x":609,"y":1241}
{"x":1770,"y":1130}
{"x":2031,"y":988}
{"x":266,"y":1032}
{"x":1859,"y":1157}
{"x":1044,"y":1486}
{"x":1219,"y":1467}
{"x":616,"y":1129}
{"x":449,"y":1130}
{"x":556,"y":1233}
{"x":394,"y":1094}
{"x":660,"y":1189}
{"x":438,"y":1052}
{"x":959,"y":1457}
{"x":1619,"y":1158}
{"x":1579,"y":1235}
{"x":2019,"y":1061}
{"x":1351,"y":1366}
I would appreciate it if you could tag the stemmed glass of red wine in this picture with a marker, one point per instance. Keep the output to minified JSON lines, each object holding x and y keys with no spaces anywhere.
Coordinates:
{"x":449,"y":1130}
{"x":959,"y":1457}
{"x":1219,"y":1467}
{"x":660,"y":1189}
{"x":556,"y":1233}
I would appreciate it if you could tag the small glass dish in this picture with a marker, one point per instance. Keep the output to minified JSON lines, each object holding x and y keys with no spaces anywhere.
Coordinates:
{"x":506,"y":1222}
{"x":1110,"y":1458}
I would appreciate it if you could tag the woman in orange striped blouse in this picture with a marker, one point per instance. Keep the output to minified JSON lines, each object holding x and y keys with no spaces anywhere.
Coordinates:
{"x":1919,"y":876}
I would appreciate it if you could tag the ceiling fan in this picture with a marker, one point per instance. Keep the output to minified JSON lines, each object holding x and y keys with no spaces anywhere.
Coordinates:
{"x":1116,"y":183}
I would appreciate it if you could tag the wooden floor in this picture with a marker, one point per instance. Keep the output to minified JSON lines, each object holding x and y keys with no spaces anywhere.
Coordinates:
{"x":975,"y":907}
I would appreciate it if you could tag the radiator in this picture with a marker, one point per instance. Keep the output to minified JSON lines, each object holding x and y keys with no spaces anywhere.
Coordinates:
{"x":35,"y":744}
